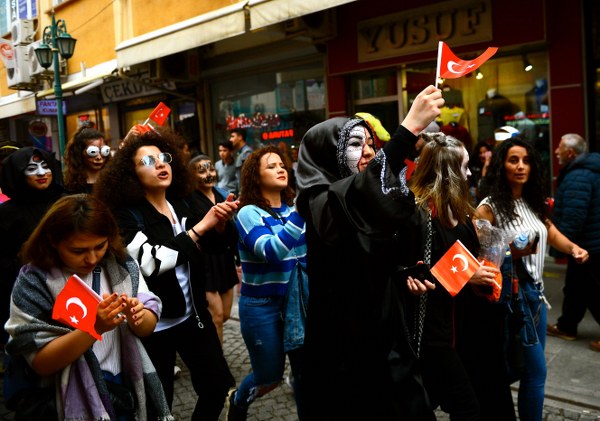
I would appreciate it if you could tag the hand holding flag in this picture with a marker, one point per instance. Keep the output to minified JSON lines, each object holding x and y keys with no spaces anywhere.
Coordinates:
{"x":455,"y":268}
{"x":449,"y":66}
{"x":76,"y":305}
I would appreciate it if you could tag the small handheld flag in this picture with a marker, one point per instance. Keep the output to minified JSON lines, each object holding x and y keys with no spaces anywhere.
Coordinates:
{"x":159,"y":114}
{"x":76,"y":305}
{"x":455,"y":268}
{"x":449,"y":66}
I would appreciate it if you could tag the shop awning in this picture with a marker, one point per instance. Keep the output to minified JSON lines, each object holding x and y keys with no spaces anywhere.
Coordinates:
{"x":82,"y":83}
{"x":268,"y":12}
{"x":200,"y":30}
{"x":15,"y":104}
{"x":215,"y":26}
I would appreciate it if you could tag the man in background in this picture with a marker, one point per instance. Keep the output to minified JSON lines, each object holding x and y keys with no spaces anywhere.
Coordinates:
{"x":242,"y":149}
{"x":577,"y":215}
{"x":226,"y":168}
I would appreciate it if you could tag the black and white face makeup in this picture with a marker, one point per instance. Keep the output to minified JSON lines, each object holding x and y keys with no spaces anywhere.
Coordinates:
{"x":206,"y":173}
{"x":36,"y":166}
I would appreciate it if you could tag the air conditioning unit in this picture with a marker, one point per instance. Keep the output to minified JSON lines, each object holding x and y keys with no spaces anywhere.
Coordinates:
{"x":18,"y":77}
{"x":22,"y":31}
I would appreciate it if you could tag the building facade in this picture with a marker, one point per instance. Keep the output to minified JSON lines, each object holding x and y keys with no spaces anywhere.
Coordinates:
{"x":276,"y":67}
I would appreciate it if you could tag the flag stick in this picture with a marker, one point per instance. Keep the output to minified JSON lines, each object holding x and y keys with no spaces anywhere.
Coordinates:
{"x":439,"y":61}
{"x":146,"y":122}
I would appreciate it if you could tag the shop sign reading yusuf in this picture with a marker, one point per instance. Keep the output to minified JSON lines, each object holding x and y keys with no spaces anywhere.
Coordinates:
{"x":419,"y":30}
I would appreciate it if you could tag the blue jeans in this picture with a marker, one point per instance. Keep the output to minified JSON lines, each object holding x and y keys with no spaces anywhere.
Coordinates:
{"x":261,"y":324}
{"x":531,"y":386}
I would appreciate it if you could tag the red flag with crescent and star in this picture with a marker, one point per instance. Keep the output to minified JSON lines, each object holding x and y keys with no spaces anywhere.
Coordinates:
{"x":455,"y":268}
{"x":160,"y":114}
{"x":76,"y":305}
{"x":451,"y":67}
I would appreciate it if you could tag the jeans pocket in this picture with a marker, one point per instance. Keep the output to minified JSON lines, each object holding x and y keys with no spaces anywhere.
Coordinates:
{"x":532,"y":306}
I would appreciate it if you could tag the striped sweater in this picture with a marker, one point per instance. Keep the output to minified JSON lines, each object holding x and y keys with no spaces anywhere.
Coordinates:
{"x":270,"y":248}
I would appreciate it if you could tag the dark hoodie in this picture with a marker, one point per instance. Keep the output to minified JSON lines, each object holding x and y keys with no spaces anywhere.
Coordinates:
{"x":20,"y":215}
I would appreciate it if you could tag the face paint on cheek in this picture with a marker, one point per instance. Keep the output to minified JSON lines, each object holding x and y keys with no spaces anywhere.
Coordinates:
{"x":208,"y":179}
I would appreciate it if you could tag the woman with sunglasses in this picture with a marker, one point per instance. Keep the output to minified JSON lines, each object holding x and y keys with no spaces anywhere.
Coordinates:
{"x":86,"y":155}
{"x":31,"y":177}
{"x":221,"y":273}
{"x":147,"y":185}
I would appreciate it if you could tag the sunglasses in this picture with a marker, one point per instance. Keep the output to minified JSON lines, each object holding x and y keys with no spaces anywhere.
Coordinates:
{"x":149,"y":160}
{"x":93,"y":151}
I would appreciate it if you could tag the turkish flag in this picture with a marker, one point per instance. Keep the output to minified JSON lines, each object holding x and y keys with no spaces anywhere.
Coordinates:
{"x":455,"y":268}
{"x":451,"y":67}
{"x":160,"y":114}
{"x":410,"y":168}
{"x":76,"y":305}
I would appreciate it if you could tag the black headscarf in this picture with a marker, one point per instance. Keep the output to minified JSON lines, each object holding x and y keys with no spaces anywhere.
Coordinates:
{"x":14,"y":184}
{"x":322,"y":155}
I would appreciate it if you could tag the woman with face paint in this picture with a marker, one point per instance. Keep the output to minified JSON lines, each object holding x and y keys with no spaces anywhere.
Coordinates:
{"x":274,"y":284}
{"x":86,"y":155}
{"x":221,"y":274}
{"x":356,"y":208}
{"x":31,"y":177}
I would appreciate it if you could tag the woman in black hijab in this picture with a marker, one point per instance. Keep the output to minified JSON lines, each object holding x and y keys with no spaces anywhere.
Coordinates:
{"x":356,"y":230}
{"x":32,"y":178}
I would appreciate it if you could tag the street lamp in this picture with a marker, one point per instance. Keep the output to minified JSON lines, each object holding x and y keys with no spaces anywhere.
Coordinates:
{"x":55,"y":41}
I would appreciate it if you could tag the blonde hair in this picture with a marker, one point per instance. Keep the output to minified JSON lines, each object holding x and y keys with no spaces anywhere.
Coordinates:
{"x":438,"y":182}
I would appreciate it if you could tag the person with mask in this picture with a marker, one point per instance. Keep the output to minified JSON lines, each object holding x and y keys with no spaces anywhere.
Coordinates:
{"x":356,"y":208}
{"x":32,"y":178}
{"x":86,"y":155}
{"x":220,"y":260}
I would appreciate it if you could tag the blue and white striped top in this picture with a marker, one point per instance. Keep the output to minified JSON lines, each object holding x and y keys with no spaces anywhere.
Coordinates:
{"x":269,"y":248}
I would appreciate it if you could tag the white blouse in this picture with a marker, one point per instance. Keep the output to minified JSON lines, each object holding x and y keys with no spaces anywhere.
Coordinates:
{"x":526,"y":220}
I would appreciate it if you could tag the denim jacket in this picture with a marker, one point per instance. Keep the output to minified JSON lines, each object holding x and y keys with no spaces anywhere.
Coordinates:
{"x":294,"y":311}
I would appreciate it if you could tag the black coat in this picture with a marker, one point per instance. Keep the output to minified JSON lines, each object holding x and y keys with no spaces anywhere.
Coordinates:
{"x":20,"y":215}
{"x":356,"y":239}
{"x":157,"y":234}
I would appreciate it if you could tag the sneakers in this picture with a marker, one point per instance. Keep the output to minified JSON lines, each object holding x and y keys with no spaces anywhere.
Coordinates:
{"x":595,"y":345}
{"x":553,"y":330}
{"x":234,"y":412}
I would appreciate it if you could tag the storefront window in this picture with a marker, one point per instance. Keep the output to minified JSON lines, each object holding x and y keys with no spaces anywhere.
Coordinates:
{"x":275,"y":108}
{"x":96,"y":118}
{"x":500,"y":93}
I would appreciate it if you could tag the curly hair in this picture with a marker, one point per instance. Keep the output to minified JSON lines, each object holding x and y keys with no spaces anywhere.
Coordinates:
{"x":75,"y":173}
{"x":250,"y":180}
{"x":118,"y":184}
{"x":438,"y":180}
{"x":69,"y":215}
{"x":496,"y":187}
